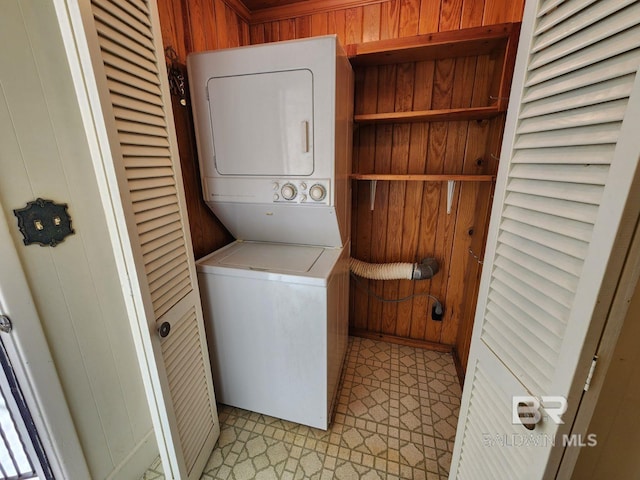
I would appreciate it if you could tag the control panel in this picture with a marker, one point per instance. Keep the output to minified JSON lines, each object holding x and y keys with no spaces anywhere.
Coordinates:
{"x":301,"y":191}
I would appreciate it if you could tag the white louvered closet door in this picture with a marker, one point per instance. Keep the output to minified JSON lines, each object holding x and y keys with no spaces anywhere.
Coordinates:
{"x":124,"y":41}
{"x":569,"y":157}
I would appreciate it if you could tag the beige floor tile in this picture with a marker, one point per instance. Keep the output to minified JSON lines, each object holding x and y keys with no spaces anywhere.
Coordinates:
{"x":395,"y":418}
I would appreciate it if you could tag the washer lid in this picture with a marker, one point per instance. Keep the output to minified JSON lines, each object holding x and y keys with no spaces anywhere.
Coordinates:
{"x":269,"y":256}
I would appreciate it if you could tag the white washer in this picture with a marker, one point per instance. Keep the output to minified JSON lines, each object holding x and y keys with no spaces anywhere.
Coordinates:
{"x":277,"y":318}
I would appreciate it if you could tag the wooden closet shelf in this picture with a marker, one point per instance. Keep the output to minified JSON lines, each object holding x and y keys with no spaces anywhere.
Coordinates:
{"x":423,"y":178}
{"x":450,"y":114}
{"x":457,"y":43}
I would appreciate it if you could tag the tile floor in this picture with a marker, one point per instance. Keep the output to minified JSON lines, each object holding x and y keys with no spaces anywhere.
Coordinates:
{"x":395,"y":419}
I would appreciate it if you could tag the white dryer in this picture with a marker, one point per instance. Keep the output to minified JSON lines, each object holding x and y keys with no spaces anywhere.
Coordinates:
{"x":273,"y":129}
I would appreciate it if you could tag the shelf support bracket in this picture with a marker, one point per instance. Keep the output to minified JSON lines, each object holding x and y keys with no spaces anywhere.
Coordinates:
{"x":451,"y":186}
{"x":372,"y":198}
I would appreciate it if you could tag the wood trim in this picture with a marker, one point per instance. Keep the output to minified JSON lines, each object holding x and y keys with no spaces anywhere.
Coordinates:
{"x":424,"y":178}
{"x":308,"y":7}
{"x":456,"y":43}
{"x":460,"y":368}
{"x":239,"y":8}
{"x":449,"y":114}
{"x":508,"y":67}
{"x":409,"y":342}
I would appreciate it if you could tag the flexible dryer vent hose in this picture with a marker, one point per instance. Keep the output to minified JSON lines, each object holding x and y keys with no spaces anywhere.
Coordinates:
{"x":395,"y":271}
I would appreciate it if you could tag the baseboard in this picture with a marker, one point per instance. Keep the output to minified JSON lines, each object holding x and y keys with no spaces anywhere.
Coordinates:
{"x":138,"y":461}
{"x":409,"y":342}
{"x":459,"y":367}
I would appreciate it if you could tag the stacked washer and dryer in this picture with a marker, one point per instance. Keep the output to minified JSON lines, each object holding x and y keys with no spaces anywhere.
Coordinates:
{"x":273,"y":130}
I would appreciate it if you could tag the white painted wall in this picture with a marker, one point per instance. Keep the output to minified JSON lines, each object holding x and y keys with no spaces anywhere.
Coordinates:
{"x":75,"y":285}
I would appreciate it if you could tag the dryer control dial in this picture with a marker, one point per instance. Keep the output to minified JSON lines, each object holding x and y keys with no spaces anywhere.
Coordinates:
{"x":289,"y":191}
{"x":317,"y":192}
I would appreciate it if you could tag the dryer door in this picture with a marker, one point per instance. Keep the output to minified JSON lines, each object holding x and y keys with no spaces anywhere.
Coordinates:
{"x":263,"y":123}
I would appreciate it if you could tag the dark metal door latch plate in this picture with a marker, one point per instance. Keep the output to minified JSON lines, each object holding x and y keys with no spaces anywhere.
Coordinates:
{"x":44,"y":222}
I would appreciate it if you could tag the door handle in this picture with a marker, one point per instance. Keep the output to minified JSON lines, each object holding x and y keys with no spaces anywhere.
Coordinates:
{"x":305,"y":136}
{"x":5,"y":324}
{"x":164,"y":329}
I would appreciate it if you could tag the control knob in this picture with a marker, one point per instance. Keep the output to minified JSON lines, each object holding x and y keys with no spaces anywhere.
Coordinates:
{"x":289,"y":191}
{"x":317,"y":192}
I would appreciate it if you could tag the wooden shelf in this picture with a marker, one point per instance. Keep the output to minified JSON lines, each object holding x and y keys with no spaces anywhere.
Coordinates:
{"x":423,"y":178}
{"x":452,"y":114}
{"x":499,"y":40}
{"x":451,"y":180}
{"x":457,"y":43}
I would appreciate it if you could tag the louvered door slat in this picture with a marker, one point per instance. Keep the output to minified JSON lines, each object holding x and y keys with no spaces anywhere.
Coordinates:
{"x":610,"y":90}
{"x":555,"y":276}
{"x":118,"y":63}
{"x":178,"y":292}
{"x":162,"y":266}
{"x":153,"y":203}
{"x":141,"y":128}
{"x":168,"y":294}
{"x":539,"y":356}
{"x":625,"y":41}
{"x":128,"y":104}
{"x":569,"y":263}
{"x":590,"y":115}
{"x":126,"y":89}
{"x":565,"y":167}
{"x":131,"y":32}
{"x":547,"y":6}
{"x":542,"y":320}
{"x":195,"y":405}
{"x":152,"y":187}
{"x":575,"y":192}
{"x":166,"y":286}
{"x":131,"y":10}
{"x":135,"y":75}
{"x":625,"y":64}
{"x":513,"y":352}
{"x":135,"y":116}
{"x":547,"y":238}
{"x":140,"y":5}
{"x":143,"y":151}
{"x":591,"y":155}
{"x":591,"y":135}
{"x":153,"y":234}
{"x":141,"y":58}
{"x":581,"y":34}
{"x":147,"y":162}
{"x":569,"y":228}
{"x":134,"y":79}
{"x":110,"y":36}
{"x":490,"y":460}
{"x":555,"y":310}
{"x":545,"y":340}
{"x":554,"y":12}
{"x":138,"y":139}
{"x":151,"y":246}
{"x":560,"y":172}
{"x":581,"y":212}
{"x":148,"y":194}
{"x":148,"y":215}
{"x":536,"y":282}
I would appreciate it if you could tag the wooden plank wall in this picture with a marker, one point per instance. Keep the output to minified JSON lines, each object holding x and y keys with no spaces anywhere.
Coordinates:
{"x":409,"y":221}
{"x":193,"y":26}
